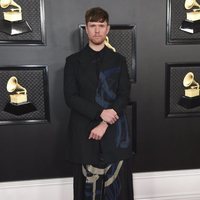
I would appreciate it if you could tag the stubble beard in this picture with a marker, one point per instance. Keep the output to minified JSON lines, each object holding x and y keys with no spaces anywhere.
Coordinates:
{"x":96,"y":41}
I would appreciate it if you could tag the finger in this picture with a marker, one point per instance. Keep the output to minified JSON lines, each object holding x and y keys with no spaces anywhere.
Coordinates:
{"x":112,"y":110}
{"x":112,"y":122}
{"x":95,"y":137}
{"x":98,"y":138}
{"x":90,"y":136}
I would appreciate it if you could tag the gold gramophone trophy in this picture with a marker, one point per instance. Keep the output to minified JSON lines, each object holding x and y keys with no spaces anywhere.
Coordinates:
{"x":191,"y":98}
{"x":18,"y":104}
{"x":12,"y":22}
{"x":107,"y":43}
{"x":192,"y":22}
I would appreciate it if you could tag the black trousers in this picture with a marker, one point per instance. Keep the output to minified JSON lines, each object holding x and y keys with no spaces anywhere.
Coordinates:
{"x":119,"y":188}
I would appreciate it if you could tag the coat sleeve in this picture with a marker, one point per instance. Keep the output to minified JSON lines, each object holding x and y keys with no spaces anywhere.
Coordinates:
{"x":71,"y":92}
{"x":123,"y":91}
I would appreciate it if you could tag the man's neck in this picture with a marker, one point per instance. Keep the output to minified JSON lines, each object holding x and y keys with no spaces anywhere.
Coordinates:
{"x":98,"y":47}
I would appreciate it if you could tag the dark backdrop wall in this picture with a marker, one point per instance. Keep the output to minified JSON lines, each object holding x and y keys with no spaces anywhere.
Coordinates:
{"x":32,"y":151}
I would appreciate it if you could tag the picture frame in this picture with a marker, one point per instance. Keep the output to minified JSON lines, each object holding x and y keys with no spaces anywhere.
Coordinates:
{"x":30,"y":30}
{"x":181,"y":101}
{"x":131,"y":112}
{"x":180,"y":28}
{"x":123,"y":39}
{"x":24,"y":94}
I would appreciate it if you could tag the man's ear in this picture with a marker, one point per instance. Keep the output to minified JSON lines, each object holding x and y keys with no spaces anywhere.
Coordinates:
{"x":108,"y":29}
{"x":86,"y":29}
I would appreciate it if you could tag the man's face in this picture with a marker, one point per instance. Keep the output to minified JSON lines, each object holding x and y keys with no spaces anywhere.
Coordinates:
{"x":97,"y":32}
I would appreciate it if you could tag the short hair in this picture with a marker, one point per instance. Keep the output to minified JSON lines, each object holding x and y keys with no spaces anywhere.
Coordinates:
{"x":96,"y":14}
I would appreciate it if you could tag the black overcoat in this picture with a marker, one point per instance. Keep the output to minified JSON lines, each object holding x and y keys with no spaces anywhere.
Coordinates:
{"x":94,"y":81}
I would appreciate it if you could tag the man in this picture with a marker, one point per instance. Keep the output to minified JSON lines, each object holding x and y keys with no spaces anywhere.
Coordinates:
{"x":96,"y":88}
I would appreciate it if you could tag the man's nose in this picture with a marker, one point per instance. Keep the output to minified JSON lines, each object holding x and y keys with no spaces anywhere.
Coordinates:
{"x":97,"y":29}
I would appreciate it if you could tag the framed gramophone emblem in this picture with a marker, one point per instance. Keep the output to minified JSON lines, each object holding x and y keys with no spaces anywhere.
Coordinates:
{"x":22,"y":22}
{"x":183,"y":21}
{"x":182,"y":89}
{"x":24,"y":94}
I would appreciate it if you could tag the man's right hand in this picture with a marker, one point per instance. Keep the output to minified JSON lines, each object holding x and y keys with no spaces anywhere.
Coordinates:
{"x":109,"y":116}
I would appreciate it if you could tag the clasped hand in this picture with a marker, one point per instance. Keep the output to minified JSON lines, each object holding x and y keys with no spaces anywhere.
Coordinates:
{"x":98,"y":132}
{"x":109,"y":116}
